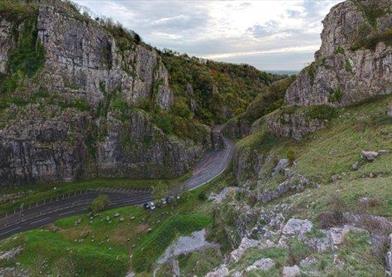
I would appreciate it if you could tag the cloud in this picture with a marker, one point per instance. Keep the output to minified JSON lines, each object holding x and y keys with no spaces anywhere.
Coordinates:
{"x":267,"y":29}
{"x":231,"y":31}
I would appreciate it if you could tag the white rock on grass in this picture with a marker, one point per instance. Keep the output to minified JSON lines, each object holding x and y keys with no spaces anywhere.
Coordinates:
{"x":186,"y":244}
{"x":297,"y":227}
{"x":280,"y":166}
{"x":308,"y":261}
{"x":11,"y":254}
{"x":336,"y":234}
{"x":262,"y":265}
{"x":221,"y":196}
{"x":245,"y":245}
{"x":222,"y":271}
{"x":291,"y":271}
{"x":369,"y":155}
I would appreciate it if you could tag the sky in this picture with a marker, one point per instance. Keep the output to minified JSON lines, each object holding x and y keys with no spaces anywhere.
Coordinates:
{"x":268,"y":34}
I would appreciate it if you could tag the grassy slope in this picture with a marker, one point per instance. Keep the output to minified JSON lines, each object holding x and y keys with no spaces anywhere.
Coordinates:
{"x":328,"y":152}
{"x":112,"y":242}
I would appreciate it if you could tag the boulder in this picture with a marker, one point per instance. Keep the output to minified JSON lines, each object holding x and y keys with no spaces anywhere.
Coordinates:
{"x":221,"y":271}
{"x":262,"y":265}
{"x":291,"y":271}
{"x":369,"y":155}
{"x":280,"y":166}
{"x":246,"y":243}
{"x":297,"y":227}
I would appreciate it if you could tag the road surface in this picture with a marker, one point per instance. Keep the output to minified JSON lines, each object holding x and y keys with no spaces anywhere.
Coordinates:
{"x":210,"y":166}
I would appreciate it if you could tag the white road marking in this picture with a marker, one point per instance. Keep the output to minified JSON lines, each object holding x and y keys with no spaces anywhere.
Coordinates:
{"x":40,"y":220}
{"x":10,"y":230}
{"x":65,"y":213}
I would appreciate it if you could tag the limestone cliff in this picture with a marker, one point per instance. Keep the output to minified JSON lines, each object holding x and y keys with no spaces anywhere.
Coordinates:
{"x":72,"y":90}
{"x":355,"y":58}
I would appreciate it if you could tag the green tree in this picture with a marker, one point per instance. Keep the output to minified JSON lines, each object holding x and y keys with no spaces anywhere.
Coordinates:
{"x":99,"y":203}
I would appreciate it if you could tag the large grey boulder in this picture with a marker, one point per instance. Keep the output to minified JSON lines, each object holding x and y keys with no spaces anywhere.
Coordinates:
{"x":369,"y":155}
{"x":264,"y":264}
{"x":291,"y":271}
{"x":297,"y":227}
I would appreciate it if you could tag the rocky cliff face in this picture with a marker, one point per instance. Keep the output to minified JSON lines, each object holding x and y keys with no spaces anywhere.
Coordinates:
{"x":76,"y":115}
{"x":82,"y":59}
{"x":355,"y":58}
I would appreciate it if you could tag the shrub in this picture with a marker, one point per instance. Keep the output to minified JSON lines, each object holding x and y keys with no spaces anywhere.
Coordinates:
{"x":339,"y":50}
{"x":81,"y":104}
{"x":311,"y":70}
{"x":26,"y":58}
{"x":330,"y":219}
{"x":181,"y":108}
{"x":336,"y":95}
{"x":297,"y":251}
{"x":163,"y":121}
{"x":160,"y":190}
{"x":267,"y":101}
{"x":334,"y":216}
{"x":321,"y":112}
{"x":348,"y":66}
{"x":29,"y":55}
{"x":371,"y":11}
{"x":100,"y":203}
{"x":202,"y":196}
{"x":370,"y":42}
{"x":291,"y":156}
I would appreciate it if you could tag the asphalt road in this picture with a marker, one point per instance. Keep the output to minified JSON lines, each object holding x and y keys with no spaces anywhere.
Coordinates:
{"x":210,"y":166}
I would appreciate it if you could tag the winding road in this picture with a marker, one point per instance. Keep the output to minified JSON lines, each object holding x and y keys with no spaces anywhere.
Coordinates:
{"x":210,"y":166}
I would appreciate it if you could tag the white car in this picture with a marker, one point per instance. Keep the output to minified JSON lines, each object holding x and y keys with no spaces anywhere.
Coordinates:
{"x":149,"y":205}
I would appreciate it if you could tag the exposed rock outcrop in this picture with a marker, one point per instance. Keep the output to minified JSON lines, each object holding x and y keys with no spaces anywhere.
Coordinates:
{"x":295,"y":125}
{"x":79,"y":117}
{"x":83,"y":59}
{"x":355,"y":59}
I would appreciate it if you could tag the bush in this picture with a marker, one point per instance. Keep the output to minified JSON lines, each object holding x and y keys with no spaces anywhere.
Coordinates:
{"x":181,"y":108}
{"x":100,"y":203}
{"x":291,"y":156}
{"x":160,"y":190}
{"x":297,"y":251}
{"x":370,"y":42}
{"x":336,"y":95}
{"x":163,"y":121}
{"x":339,"y":50}
{"x":268,"y":100}
{"x":335,"y":216}
{"x":348,"y":66}
{"x":321,"y":112}
{"x":202,"y":196}
{"x":81,"y":104}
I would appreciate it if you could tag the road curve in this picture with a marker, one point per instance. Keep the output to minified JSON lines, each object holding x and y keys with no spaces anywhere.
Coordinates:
{"x":210,"y":166}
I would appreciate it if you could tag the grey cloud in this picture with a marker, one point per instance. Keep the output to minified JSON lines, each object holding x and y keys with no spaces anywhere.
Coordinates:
{"x":267,"y":29}
{"x":156,"y":20}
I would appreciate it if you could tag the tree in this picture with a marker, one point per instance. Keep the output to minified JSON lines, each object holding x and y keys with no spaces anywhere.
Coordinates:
{"x":160,"y":190}
{"x":99,"y":203}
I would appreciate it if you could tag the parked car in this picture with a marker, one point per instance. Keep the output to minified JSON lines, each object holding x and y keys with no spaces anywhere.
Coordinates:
{"x":149,"y":205}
